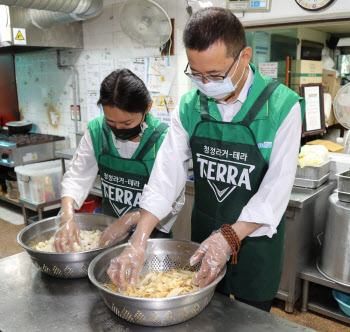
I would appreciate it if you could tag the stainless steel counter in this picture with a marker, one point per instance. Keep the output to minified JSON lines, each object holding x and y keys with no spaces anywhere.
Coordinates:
{"x":32,"y":301}
{"x":66,"y":154}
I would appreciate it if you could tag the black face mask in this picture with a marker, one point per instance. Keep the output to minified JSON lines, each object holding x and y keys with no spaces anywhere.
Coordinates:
{"x":125,"y":134}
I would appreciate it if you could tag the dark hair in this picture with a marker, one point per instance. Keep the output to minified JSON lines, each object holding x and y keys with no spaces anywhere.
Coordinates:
{"x":123,"y":89}
{"x":209,"y":25}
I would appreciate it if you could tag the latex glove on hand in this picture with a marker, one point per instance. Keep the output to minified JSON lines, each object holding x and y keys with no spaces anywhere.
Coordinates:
{"x":68,"y":230}
{"x":119,"y":228}
{"x":215,"y":251}
{"x":131,"y":259}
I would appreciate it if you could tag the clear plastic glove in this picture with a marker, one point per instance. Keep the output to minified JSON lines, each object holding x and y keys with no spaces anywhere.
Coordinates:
{"x":119,"y":228}
{"x":68,"y":231}
{"x":214,"y":252}
{"x":131,"y":259}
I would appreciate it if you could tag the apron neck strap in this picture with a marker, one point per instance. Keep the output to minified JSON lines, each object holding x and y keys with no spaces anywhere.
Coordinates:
{"x":105,"y":137}
{"x":204,"y":106}
{"x":259,"y":103}
{"x":151,"y":141}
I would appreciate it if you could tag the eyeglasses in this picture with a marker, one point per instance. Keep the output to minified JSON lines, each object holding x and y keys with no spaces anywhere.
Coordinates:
{"x":212,"y":78}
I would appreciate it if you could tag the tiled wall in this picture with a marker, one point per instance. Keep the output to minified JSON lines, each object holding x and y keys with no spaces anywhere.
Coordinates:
{"x":45,"y":92}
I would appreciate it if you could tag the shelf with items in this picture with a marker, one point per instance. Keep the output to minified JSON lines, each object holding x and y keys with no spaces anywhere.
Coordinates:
{"x":317,"y":294}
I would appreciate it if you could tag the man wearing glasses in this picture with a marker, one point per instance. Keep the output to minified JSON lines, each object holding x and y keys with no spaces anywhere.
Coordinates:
{"x":243,"y":132}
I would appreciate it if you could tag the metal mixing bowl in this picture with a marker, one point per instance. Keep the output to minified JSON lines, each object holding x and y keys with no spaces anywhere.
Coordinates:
{"x":164,"y":255}
{"x":64,"y":265}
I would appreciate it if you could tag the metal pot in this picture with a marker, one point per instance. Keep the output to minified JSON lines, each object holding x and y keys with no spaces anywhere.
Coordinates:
{"x":335,"y":258}
{"x":19,"y":127}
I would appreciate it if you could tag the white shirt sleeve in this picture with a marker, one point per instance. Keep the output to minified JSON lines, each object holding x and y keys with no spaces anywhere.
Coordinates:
{"x":268,"y":205}
{"x":169,"y":172}
{"x":81,"y":173}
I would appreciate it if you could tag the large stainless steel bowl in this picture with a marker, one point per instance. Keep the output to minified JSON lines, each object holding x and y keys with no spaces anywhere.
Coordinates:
{"x":165,"y":254}
{"x":64,"y":265}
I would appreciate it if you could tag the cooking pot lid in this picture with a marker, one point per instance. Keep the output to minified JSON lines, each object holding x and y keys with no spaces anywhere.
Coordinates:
{"x":18,"y":123}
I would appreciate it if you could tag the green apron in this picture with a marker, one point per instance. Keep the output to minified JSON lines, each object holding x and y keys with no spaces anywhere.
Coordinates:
{"x":122,"y":179}
{"x":227,"y":173}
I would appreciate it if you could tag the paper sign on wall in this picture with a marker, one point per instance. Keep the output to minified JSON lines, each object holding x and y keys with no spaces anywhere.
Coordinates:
{"x":269,"y":69}
{"x":19,"y":36}
{"x":93,"y":111}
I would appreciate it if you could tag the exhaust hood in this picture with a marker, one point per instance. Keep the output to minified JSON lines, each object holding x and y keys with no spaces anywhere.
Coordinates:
{"x":18,"y":22}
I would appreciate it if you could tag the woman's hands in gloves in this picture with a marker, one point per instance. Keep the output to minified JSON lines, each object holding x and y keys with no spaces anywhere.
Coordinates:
{"x":119,"y":228}
{"x":214,"y":252}
{"x":68,"y":230}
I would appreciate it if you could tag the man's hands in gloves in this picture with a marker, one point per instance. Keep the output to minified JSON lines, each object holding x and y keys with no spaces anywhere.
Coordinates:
{"x":214,"y":252}
{"x":119,"y":228}
{"x":131,"y":258}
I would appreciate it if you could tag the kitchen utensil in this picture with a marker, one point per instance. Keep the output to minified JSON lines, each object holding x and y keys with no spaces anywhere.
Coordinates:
{"x":335,"y":257}
{"x":313,"y":172}
{"x":19,"y":127}
{"x":312,"y":184}
{"x":343,"y":197}
{"x":343,"y":301}
{"x":344,"y":181}
{"x":164,"y":255}
{"x":63,"y":265}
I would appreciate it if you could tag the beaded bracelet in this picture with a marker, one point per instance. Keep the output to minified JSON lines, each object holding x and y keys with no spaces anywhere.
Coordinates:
{"x":233,"y":240}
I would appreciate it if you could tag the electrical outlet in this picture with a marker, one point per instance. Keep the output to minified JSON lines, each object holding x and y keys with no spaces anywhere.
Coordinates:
{"x":72,"y":112}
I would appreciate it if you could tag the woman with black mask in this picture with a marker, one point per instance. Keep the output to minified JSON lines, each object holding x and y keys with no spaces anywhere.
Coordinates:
{"x":122,"y":146}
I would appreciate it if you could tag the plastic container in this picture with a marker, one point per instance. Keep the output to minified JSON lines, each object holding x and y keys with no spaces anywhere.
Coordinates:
{"x":90,"y":204}
{"x":343,"y":300}
{"x":40,"y":182}
{"x":98,"y":210}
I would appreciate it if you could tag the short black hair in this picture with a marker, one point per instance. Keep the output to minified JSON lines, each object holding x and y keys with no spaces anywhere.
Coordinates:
{"x":123,"y":89}
{"x":210,"y":25}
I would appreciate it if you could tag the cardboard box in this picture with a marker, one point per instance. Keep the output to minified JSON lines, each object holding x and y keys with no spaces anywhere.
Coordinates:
{"x":306,"y":72}
{"x":332,"y":119}
{"x":331,"y":146}
{"x":331,"y":83}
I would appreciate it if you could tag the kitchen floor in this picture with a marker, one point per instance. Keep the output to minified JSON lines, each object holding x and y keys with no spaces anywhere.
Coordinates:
{"x":11,"y":222}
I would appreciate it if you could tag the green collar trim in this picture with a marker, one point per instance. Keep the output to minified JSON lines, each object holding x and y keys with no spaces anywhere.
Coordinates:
{"x":259,"y":84}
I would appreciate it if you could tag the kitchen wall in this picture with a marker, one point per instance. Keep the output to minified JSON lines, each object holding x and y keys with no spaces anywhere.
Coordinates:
{"x":45,"y":92}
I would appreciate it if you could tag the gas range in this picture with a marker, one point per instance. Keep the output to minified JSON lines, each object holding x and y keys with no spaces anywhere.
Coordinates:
{"x":22,"y":149}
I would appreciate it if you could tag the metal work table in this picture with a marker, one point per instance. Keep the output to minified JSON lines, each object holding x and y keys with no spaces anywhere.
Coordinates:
{"x":305,"y":219}
{"x":300,"y":197}
{"x":33,"y":301}
{"x":322,"y":300}
{"x":38,"y":207}
{"x":64,"y":154}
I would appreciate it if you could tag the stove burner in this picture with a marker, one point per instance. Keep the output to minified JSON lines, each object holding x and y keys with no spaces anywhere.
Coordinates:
{"x":28,"y":139}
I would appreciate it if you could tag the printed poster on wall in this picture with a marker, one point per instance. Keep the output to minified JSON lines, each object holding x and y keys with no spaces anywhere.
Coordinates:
{"x":92,"y":72}
{"x":269,"y":69}
{"x":93,"y":111}
{"x":157,"y":70}
{"x":312,"y":108}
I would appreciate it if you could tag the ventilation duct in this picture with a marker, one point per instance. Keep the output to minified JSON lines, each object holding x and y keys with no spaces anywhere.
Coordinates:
{"x":46,"y":13}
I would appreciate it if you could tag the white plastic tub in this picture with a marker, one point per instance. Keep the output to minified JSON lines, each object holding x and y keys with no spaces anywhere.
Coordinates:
{"x":40,"y":182}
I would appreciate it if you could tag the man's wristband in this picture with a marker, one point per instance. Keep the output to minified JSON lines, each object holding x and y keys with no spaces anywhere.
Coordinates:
{"x":233,"y":240}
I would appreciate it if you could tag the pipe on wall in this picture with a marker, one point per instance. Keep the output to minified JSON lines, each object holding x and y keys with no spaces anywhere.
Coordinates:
{"x":47,"y":13}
